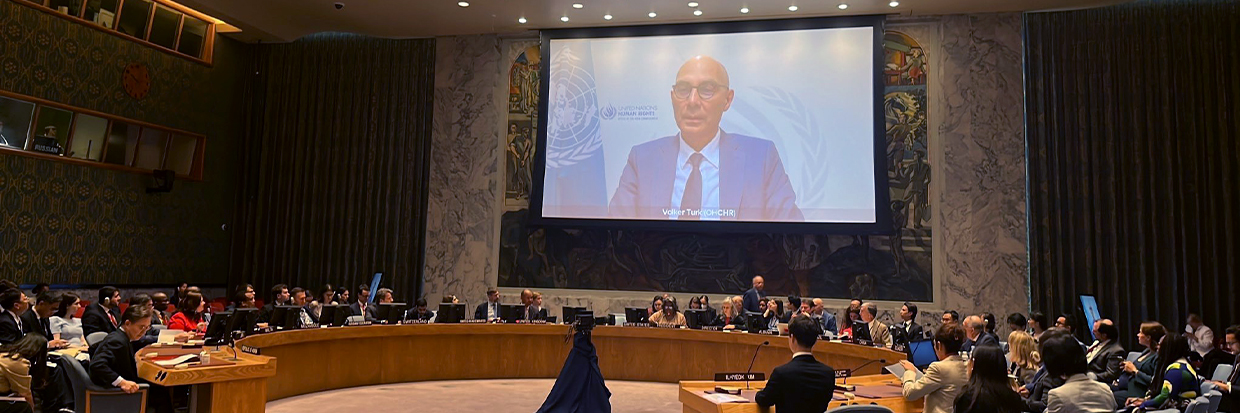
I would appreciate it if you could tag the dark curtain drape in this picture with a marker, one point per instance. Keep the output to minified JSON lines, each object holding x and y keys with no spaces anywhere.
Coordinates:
{"x":337,"y":156}
{"x":1133,"y":161}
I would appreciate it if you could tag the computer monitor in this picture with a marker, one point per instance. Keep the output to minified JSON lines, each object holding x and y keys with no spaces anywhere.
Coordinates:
{"x":327,"y":315}
{"x":1089,"y":305}
{"x":277,"y":316}
{"x":243,"y":320}
{"x":693,"y":318}
{"x":391,"y":313}
{"x":921,"y":353}
{"x":342,"y":315}
{"x":292,"y":317}
{"x":636,"y":315}
{"x":217,"y":329}
{"x":450,"y":313}
{"x":861,"y":331}
{"x":510,"y":313}
{"x":570,"y":313}
{"x":754,"y":322}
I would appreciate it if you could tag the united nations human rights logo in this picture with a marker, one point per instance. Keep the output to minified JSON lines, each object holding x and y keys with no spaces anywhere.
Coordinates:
{"x":608,"y":112}
{"x":573,"y":125}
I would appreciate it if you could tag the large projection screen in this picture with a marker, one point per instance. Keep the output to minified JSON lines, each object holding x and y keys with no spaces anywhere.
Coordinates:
{"x":741,"y":126}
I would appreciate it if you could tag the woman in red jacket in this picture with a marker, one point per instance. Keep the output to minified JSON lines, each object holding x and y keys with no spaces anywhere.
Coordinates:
{"x":189,"y":314}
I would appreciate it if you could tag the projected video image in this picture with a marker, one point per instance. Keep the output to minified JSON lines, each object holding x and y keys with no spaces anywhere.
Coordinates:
{"x":753,"y":127}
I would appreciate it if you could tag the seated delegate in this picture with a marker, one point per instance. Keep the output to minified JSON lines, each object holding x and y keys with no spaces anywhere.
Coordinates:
{"x":669,"y":316}
{"x":944,"y":379}
{"x":803,"y":384}
{"x":112,"y":361}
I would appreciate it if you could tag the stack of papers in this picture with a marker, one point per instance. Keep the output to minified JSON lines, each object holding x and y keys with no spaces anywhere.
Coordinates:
{"x":725,"y":398}
{"x":898,"y":370}
{"x":175,"y":361}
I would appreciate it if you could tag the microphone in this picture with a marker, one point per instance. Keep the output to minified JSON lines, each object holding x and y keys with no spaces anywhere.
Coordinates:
{"x":884,"y":361}
{"x":755,"y":358}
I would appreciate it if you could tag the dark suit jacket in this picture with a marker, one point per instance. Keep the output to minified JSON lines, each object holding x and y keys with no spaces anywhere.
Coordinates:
{"x":9,"y":331}
{"x":752,"y":180}
{"x":95,"y":319}
{"x":371,"y":310}
{"x":802,"y":386}
{"x":915,"y":332}
{"x":1040,"y":395}
{"x":1107,"y":365}
{"x":480,"y":313}
{"x":1231,"y":400}
{"x":982,"y":340}
{"x":264,"y":313}
{"x":112,"y":358}
{"x":530,"y":314}
{"x":750,"y":301}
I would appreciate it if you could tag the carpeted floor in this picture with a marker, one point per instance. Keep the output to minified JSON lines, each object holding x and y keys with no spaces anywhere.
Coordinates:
{"x":500,"y":396}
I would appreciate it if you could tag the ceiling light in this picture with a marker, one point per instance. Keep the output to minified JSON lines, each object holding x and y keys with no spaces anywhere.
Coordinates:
{"x":462,"y":3}
{"x":843,"y":6}
{"x":564,"y":19}
{"x":697,"y":12}
{"x":522,"y":20}
{"x":693,"y":4}
{"x":792,"y":8}
{"x":894,"y":3}
{"x":578,"y":5}
{"x":744,"y":10}
{"x":653,"y":15}
{"x":606,"y":17}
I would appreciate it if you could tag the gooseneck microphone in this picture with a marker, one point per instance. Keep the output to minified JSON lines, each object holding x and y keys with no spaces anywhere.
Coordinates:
{"x":755,"y":358}
{"x":884,"y":361}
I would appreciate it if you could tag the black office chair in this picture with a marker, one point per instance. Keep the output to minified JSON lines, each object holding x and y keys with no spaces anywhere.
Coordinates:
{"x":90,"y":398}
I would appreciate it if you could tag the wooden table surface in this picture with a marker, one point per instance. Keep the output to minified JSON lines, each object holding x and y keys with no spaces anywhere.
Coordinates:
{"x":314,"y":360}
{"x":693,"y":396}
{"x":238,"y":385}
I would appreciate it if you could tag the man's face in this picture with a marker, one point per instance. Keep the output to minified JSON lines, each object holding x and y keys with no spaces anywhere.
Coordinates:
{"x":947,"y":318}
{"x":283,"y":295}
{"x":136,"y":330}
{"x":421,"y":309}
{"x":300,"y":298}
{"x":363,"y":295}
{"x":865,"y":315}
{"x":21,"y":305}
{"x":804,"y":307}
{"x":387,"y":298}
{"x":817,"y":306}
{"x":759,"y":283}
{"x":116,"y":299}
{"x":1062,"y":322}
{"x":1233,"y":344}
{"x":700,"y":96}
{"x":905,"y":314}
{"x":493,"y":297}
{"x":160,"y":301}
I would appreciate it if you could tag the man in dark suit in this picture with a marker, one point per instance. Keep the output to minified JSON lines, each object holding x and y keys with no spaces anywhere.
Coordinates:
{"x":363,"y":307}
{"x":279,"y":296}
{"x":909,"y":328}
{"x":975,"y":331}
{"x":40,"y":315}
{"x":754,"y":295}
{"x":803,"y":385}
{"x":1231,"y":387}
{"x":704,"y":173}
{"x":1106,"y":356}
{"x":490,"y":309}
{"x":103,"y":315}
{"x":112,"y":360}
{"x":14,"y":324}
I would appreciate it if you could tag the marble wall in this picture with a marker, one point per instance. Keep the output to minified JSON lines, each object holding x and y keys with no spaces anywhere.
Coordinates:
{"x":976,"y":117}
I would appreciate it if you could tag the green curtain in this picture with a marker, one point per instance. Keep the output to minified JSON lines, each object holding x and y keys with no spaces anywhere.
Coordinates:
{"x":1132,"y":152}
{"x":337,"y":155}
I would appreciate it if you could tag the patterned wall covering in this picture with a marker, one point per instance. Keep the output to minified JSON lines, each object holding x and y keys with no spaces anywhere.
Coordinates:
{"x":973,"y":117}
{"x":71,"y":224}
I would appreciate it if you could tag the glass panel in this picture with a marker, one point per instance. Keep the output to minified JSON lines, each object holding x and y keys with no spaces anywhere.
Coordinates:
{"x":151,"y":149}
{"x":102,"y":12}
{"x":134,"y":16}
{"x":88,"y":137}
{"x":164,"y":27}
{"x":70,"y":7}
{"x":51,"y":131}
{"x":193,"y":35}
{"x":121,"y":142}
{"x":15,"y":122}
{"x":181,"y":154}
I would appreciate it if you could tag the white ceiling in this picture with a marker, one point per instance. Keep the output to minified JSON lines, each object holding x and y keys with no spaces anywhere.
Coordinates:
{"x":287,"y":20}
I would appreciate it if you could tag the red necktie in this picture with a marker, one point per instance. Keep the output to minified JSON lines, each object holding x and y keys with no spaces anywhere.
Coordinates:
{"x":111,"y":317}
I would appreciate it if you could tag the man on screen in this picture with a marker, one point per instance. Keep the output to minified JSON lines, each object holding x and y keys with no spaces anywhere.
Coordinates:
{"x":703,"y":172}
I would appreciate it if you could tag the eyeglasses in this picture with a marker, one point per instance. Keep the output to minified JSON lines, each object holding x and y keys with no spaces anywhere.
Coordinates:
{"x":705,"y":91}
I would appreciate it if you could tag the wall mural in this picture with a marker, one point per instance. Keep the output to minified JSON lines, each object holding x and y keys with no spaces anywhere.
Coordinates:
{"x":893,"y":268}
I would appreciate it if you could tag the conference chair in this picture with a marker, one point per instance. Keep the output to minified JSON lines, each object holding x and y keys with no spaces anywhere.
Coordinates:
{"x":95,"y":338}
{"x":1198,"y":405}
{"x":1222,"y":372}
{"x":89,"y":398}
{"x":1216,"y":398}
{"x":1133,"y":356}
{"x":860,"y":409}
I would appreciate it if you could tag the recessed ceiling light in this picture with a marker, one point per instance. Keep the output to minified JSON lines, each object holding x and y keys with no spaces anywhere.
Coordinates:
{"x":693,"y":4}
{"x":697,"y":12}
{"x":843,"y":6}
{"x":564,"y":19}
{"x":522,"y":20}
{"x":578,"y":5}
{"x":653,"y":15}
{"x":894,"y":3}
{"x":744,"y":10}
{"x":462,"y":3}
{"x":792,"y":8}
{"x":606,"y":17}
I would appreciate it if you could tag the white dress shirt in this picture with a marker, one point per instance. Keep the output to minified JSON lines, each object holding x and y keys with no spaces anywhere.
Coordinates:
{"x":710,"y":175}
{"x":492,"y":311}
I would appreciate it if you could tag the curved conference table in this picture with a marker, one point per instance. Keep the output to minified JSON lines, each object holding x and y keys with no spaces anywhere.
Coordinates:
{"x":315,"y":360}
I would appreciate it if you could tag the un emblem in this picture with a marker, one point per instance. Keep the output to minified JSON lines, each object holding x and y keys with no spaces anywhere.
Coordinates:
{"x":573,"y":126}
